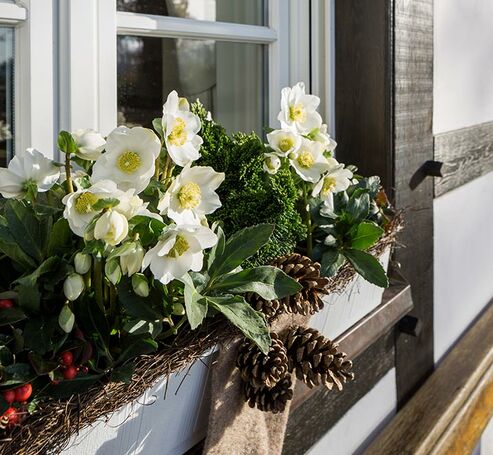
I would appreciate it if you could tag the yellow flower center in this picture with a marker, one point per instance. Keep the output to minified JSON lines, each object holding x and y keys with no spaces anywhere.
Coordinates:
{"x":129,"y":162}
{"x":286,"y":144}
{"x":178,"y":135}
{"x":180,"y":247}
{"x":297,"y":113}
{"x":305,"y":159}
{"x":84,"y":202}
{"x":189,"y":195}
{"x":328,"y":186}
{"x":269,"y":162}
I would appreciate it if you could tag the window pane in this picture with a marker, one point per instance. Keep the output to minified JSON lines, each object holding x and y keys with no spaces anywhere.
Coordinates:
{"x":227,"y":77}
{"x":6,"y":93}
{"x":240,"y":11}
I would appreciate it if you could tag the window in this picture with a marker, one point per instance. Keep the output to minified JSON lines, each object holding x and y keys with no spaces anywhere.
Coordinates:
{"x":6,"y":93}
{"x":192,"y":49}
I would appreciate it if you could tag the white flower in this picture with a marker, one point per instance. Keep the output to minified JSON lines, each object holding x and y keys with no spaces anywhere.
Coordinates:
{"x":272,"y":163}
{"x":90,"y":144}
{"x":180,"y":129}
{"x":309,"y":161}
{"x":79,"y":205}
{"x":131,"y":258}
{"x":82,"y":263}
{"x":192,"y":195}
{"x":132,"y":205}
{"x":73,"y":286}
{"x":284,"y":142}
{"x":112,"y":227}
{"x":298,"y":110}
{"x":336,"y":179}
{"x":321,"y":135}
{"x":25,"y":169}
{"x":129,"y":158}
{"x":179,"y":250}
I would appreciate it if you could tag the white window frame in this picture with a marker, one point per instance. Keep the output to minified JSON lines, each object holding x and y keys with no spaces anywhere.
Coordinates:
{"x":34,"y":90}
{"x":89,"y":29}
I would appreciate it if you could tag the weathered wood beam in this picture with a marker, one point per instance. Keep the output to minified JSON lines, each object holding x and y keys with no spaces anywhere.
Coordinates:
{"x":466,"y":154}
{"x":450,"y":411}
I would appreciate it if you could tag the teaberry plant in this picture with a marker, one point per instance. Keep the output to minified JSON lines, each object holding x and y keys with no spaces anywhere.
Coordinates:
{"x":109,"y":255}
{"x":344,"y":213}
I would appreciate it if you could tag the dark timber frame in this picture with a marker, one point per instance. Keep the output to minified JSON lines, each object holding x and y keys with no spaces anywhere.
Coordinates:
{"x":384,"y":110}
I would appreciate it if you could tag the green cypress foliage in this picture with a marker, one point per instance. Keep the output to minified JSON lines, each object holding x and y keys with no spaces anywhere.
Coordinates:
{"x":249,"y":195}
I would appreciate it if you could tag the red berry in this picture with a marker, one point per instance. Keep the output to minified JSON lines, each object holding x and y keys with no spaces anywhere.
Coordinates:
{"x":9,"y":396}
{"x":70,"y":372}
{"x":85,"y":370}
{"x":6,"y":303}
{"x":66,"y":358}
{"x":23,"y":392}
{"x":12,"y":416}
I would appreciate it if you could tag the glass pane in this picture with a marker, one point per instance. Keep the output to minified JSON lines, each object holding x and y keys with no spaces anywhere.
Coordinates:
{"x":227,"y":77}
{"x":6,"y":94}
{"x":239,"y":11}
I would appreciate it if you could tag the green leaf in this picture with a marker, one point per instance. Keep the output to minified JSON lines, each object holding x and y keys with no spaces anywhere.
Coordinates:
{"x":106,"y":203}
{"x":368,"y":267}
{"x":10,"y":248}
{"x":39,"y":334}
{"x":138,"y":307}
{"x":28,"y":231}
{"x":123,"y":373}
{"x":367,"y":233}
{"x":60,"y":239}
{"x":140,"y":327}
{"x":218,"y":248}
{"x":137,"y":346}
{"x":29,"y":298}
{"x":157,"y":124}
{"x":18,"y":373}
{"x":358,"y":207}
{"x":69,"y":387}
{"x":48,"y":266}
{"x":195,"y":306}
{"x":332,"y":261}
{"x":66,"y":142}
{"x":268,"y":282}
{"x":251,"y":323}
{"x":40,"y":365}
{"x":240,"y":247}
{"x":11,"y":315}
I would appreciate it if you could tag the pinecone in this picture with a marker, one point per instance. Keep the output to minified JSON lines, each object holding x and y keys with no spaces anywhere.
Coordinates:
{"x":316,"y":359}
{"x":270,"y":399}
{"x":260,"y":369}
{"x":305,"y":302}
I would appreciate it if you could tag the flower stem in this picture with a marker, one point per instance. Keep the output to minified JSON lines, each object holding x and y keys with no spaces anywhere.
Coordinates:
{"x":98,"y":283}
{"x":68,"y":173}
{"x":308,"y":221}
{"x":157,"y":167}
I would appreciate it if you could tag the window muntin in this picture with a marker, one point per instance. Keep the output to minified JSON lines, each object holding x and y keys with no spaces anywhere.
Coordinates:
{"x":227,"y":77}
{"x":250,"y":12}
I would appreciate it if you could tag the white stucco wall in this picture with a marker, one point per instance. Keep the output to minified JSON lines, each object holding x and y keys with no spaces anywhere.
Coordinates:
{"x":463,"y":64}
{"x":356,"y":429}
{"x":463,"y":96}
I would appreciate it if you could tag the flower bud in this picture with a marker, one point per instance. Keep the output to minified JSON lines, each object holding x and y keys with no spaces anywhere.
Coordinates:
{"x":330,"y":240}
{"x":272,"y":163}
{"x":73,"y":286}
{"x":131,"y":259}
{"x":140,"y":285}
{"x":112,"y":227}
{"x":113,"y":271}
{"x":90,"y":144}
{"x":178,"y":309}
{"x":82,"y":263}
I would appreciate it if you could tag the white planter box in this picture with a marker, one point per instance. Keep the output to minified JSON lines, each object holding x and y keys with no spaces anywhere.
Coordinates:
{"x":170,"y":426}
{"x":341,"y":311}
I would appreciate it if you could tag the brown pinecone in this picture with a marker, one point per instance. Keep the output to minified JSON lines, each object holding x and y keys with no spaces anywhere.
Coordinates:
{"x":316,"y":359}
{"x":260,"y":369}
{"x":270,"y":399}
{"x":307,"y":300}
